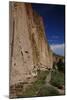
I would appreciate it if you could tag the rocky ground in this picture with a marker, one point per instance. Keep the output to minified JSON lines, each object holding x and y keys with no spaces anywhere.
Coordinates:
{"x":48,"y":83}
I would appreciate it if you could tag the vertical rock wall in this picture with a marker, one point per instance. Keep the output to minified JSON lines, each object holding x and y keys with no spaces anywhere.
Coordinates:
{"x":29,"y":49}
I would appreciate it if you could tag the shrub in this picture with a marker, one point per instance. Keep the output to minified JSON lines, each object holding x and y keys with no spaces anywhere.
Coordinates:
{"x":42,"y":75}
{"x":48,"y":91}
{"x":61,"y":66}
{"x":57,"y":78}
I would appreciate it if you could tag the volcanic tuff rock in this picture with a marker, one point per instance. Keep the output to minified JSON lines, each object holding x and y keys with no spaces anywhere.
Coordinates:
{"x":29,"y":49}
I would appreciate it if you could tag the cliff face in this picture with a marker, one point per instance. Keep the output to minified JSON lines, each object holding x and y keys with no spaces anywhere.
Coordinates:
{"x":29,"y":49}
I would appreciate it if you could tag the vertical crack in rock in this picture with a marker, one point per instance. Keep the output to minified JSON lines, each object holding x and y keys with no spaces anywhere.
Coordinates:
{"x":12,"y":45}
{"x":31,"y":35}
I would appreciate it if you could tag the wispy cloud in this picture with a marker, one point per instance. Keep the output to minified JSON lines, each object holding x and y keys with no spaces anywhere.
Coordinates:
{"x":55,"y":37}
{"x":50,"y":40}
{"x":58,"y":48}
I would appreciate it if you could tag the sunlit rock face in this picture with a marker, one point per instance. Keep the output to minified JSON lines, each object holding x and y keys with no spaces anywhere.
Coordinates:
{"x":29,"y":49}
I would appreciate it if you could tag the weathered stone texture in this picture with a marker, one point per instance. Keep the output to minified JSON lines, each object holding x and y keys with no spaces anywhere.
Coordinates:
{"x":29,"y":49}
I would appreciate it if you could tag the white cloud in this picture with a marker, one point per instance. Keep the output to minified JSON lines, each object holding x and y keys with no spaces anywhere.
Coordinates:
{"x":58,"y":48}
{"x":50,"y":40}
{"x":55,"y":46}
{"x":55,"y":36}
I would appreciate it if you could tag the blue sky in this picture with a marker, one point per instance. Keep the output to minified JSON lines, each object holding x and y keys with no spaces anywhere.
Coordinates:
{"x":54,"y":23}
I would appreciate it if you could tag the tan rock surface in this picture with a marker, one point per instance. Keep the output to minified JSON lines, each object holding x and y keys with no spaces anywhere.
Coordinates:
{"x":29,"y":49}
